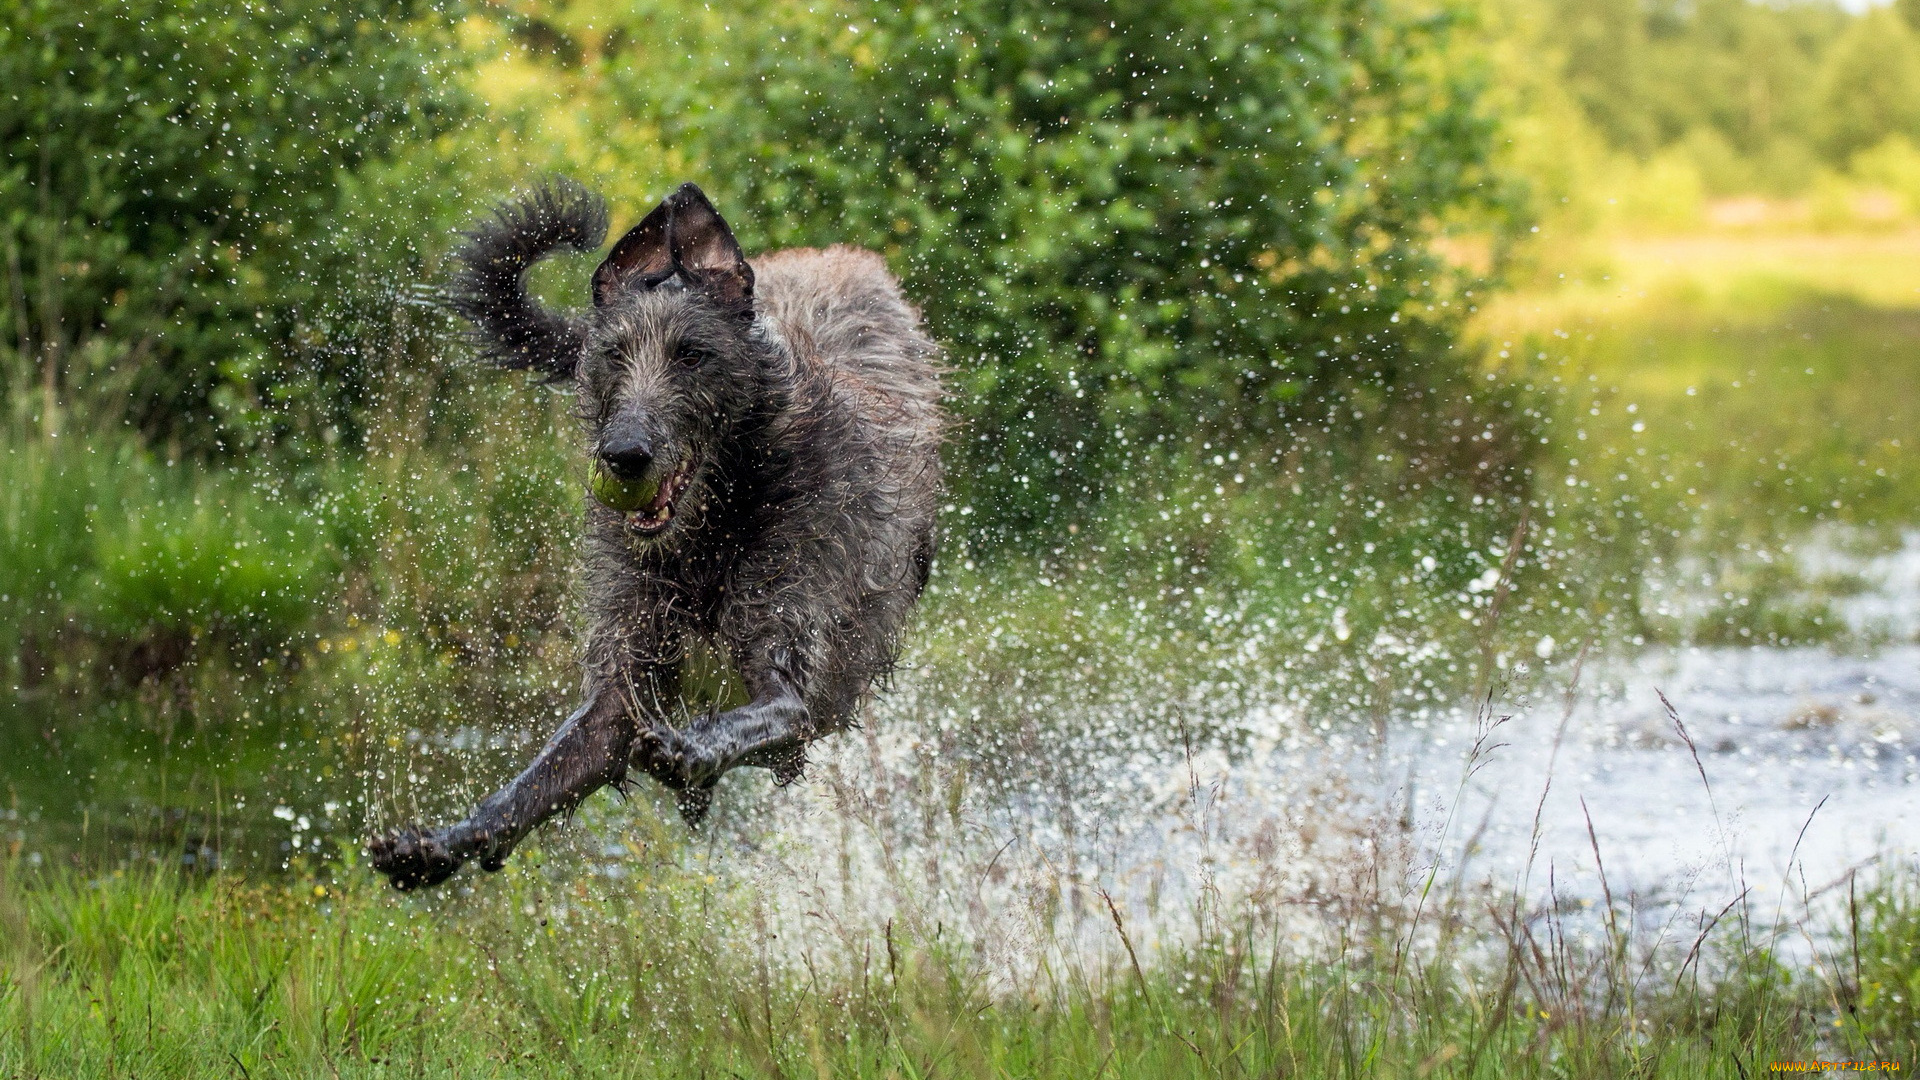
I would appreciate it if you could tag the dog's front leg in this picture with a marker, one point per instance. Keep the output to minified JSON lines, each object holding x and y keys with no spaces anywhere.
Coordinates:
{"x":590,"y":751}
{"x":770,"y":731}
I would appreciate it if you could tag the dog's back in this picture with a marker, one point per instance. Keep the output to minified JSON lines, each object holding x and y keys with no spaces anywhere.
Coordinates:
{"x":868,"y":426}
{"x":840,"y":310}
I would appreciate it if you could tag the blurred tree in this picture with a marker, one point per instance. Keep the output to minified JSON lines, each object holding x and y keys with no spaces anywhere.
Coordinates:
{"x":1173,"y":224}
{"x":1870,"y":88}
{"x":1756,"y":96}
{"x":184,"y":189}
{"x":1650,"y":75}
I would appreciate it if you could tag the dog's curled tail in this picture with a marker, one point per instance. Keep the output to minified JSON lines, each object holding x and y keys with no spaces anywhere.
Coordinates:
{"x":489,"y":283}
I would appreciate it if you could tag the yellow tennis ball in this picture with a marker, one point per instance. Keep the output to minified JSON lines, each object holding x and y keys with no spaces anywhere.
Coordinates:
{"x":625,"y":496}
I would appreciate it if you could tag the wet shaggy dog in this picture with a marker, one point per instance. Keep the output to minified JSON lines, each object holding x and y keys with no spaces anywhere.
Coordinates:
{"x":766,"y":472}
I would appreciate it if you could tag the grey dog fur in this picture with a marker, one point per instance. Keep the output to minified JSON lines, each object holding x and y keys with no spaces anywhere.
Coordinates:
{"x":802,"y":393}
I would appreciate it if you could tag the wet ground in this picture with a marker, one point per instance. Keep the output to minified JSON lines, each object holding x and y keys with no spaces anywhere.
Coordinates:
{"x":1688,"y":776}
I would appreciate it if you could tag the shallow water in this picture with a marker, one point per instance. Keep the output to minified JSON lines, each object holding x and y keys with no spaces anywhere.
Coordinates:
{"x":1802,"y":766}
{"x":1810,"y":774}
{"x":1759,"y":766}
{"x":1689,"y":776}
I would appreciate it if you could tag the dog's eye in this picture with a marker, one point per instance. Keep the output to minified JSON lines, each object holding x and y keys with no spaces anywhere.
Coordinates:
{"x":689,"y":354}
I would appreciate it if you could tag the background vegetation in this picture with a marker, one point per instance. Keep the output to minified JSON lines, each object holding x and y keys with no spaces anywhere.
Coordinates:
{"x":194,"y":200}
{"x":1351,"y":357}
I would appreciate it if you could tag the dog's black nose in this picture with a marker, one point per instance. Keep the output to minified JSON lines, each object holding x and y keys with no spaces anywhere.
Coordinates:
{"x":628,"y":458}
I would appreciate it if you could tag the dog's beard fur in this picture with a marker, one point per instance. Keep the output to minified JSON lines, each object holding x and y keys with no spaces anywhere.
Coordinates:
{"x":700,"y":382}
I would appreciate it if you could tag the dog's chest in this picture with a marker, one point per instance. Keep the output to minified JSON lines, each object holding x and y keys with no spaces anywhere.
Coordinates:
{"x":708,"y":681}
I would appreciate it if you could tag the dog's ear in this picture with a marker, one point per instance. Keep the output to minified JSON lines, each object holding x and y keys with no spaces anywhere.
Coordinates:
{"x":704,"y":250}
{"x":641,"y":260}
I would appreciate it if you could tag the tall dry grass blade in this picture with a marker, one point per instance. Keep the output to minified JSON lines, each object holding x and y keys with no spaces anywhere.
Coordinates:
{"x":1686,"y":737}
{"x":1706,"y":928}
{"x":1618,"y":941}
{"x":1568,"y":701}
{"x":1793,"y":858}
{"x":1126,"y":942}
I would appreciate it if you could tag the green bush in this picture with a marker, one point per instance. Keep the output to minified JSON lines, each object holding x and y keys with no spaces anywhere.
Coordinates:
{"x":110,"y":557}
{"x":188,"y":194}
{"x":233,"y":569}
{"x":1134,"y":225}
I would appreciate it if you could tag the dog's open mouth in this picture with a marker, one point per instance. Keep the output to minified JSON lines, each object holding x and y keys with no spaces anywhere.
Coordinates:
{"x":653,"y":518}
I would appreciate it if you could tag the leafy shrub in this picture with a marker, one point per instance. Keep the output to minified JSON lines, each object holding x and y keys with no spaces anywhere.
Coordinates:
{"x":1134,"y":225}
{"x":184,"y":190}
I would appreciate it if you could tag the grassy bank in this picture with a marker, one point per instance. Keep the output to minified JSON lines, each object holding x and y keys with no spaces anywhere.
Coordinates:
{"x":1729,"y":403}
{"x":671,"y":973}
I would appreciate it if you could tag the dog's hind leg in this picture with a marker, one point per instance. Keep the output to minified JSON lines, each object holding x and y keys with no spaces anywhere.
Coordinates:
{"x":590,"y":751}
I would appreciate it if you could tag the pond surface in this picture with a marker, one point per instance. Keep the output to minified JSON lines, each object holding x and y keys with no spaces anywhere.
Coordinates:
{"x":1703,"y":767}
{"x":1690,"y":776}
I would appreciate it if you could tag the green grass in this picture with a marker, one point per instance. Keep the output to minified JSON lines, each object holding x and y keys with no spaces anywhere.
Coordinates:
{"x":150,"y":560}
{"x":1719,"y":403}
{"x":674,"y":973}
{"x":1777,"y":423}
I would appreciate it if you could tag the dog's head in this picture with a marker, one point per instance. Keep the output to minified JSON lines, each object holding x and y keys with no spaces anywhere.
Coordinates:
{"x":668,"y":365}
{"x":667,"y":361}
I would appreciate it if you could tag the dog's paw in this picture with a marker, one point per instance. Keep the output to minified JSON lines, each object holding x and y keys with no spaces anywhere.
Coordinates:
{"x":694,"y":802}
{"x":788,"y":767}
{"x":413,"y":858}
{"x":675,"y":760}
{"x":661,"y":754}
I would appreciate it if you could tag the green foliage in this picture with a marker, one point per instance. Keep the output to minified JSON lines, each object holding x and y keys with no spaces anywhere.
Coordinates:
{"x":46,"y":553}
{"x":1757,"y":95}
{"x":1135,"y":225}
{"x":1886,"y":956}
{"x":184,"y":194}
{"x":109,"y":555}
{"x":1893,"y":164}
{"x":1871,"y":85}
{"x":241,"y":569}
{"x":671,"y":974}
{"x":1705,"y":438}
